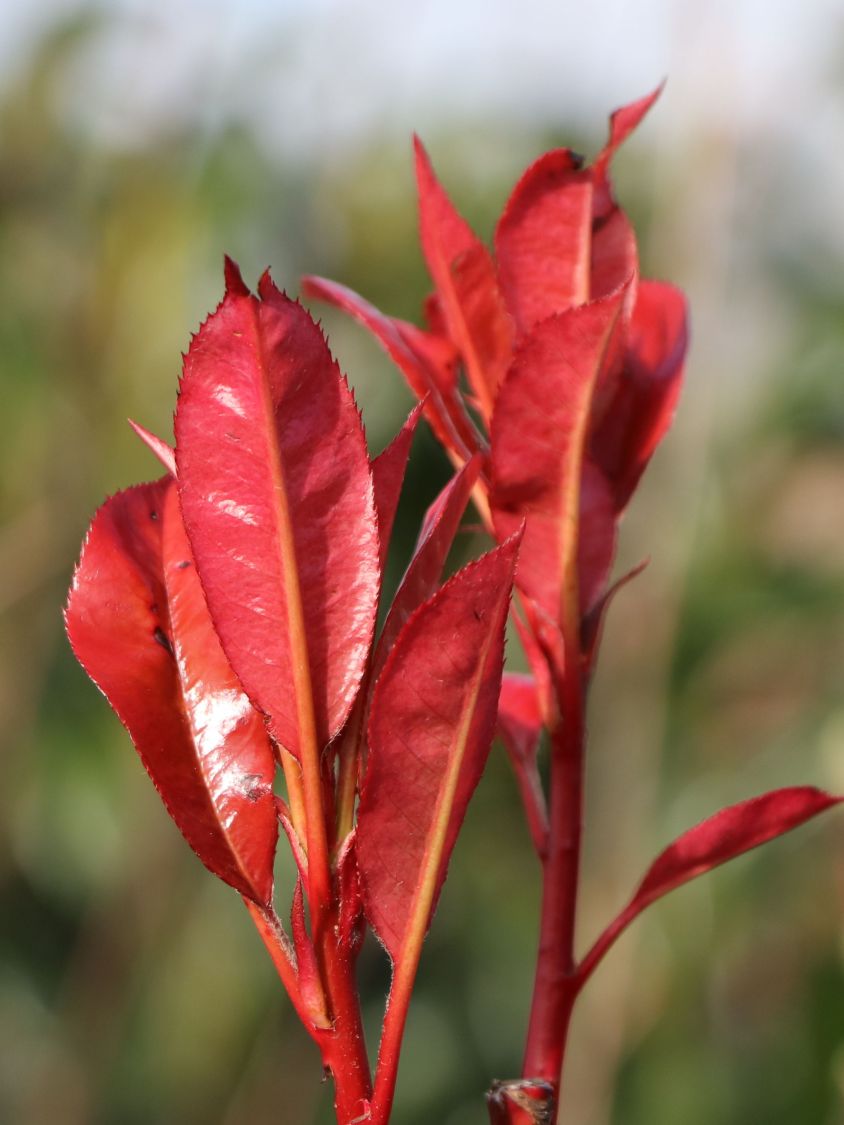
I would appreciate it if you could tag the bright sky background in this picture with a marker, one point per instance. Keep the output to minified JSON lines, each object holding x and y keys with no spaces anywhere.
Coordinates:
{"x":329,"y":72}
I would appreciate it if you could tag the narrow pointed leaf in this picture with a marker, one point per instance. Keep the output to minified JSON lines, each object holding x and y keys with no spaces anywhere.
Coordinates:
{"x":647,"y":391}
{"x":160,"y":449}
{"x":519,"y":728}
{"x":538,"y":436}
{"x":615,"y":257}
{"x":622,"y":123}
{"x":593,"y":621}
{"x":277,"y":497}
{"x":543,"y":239}
{"x":432,"y":721}
{"x":424,"y":572}
{"x":727,"y":834}
{"x":138,"y":624}
{"x":421,"y":359}
{"x":464,"y":274}
{"x":519,"y":716}
{"x":388,"y":470}
{"x":310,"y":984}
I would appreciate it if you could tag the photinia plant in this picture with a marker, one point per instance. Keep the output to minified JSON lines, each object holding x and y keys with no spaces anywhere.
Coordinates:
{"x":227,"y":610}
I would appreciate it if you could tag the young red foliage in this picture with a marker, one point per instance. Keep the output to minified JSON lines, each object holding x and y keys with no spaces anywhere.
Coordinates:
{"x":228,"y":610}
{"x":388,"y":470}
{"x":729,"y":833}
{"x":538,"y":437}
{"x":543,"y":239}
{"x":639,"y":412}
{"x":520,"y":725}
{"x":430,"y":729}
{"x":138,"y":624}
{"x":424,"y":572}
{"x":277,"y":498}
{"x":464,"y":275}
{"x":431,"y":725}
{"x":425,"y":362}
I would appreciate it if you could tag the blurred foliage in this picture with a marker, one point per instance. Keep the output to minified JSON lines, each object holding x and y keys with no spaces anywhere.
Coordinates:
{"x":132,"y":989}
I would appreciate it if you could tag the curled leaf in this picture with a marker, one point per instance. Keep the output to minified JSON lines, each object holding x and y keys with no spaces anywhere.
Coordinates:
{"x":137,"y":621}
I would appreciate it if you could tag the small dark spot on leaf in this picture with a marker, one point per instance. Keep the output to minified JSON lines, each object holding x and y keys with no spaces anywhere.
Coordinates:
{"x":153,"y":515}
{"x":183,"y":565}
{"x":160,"y":637}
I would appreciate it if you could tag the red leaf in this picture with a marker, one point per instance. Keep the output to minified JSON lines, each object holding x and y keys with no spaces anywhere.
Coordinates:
{"x":424,"y":572}
{"x":727,"y":834}
{"x":432,"y":721}
{"x":420,"y":357}
{"x":622,"y":123}
{"x":593,"y":621}
{"x":277,"y":498}
{"x":645,"y":398}
{"x":464,"y":274}
{"x":543,"y":239}
{"x":164,"y":452}
{"x":310,"y":983}
{"x":538,"y":434}
{"x":614,"y":257}
{"x":519,"y":728}
{"x":138,"y":624}
{"x":388,"y":470}
{"x":519,"y":716}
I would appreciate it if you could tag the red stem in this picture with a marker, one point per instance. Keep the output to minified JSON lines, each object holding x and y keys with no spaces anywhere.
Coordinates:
{"x":556,"y":983}
{"x":344,"y":1047}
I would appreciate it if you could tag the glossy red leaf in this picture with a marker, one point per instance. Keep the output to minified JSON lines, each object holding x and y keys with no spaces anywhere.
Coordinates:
{"x":543,"y":239}
{"x":432,"y":721}
{"x":647,"y":391}
{"x":277,"y":498}
{"x":727,"y":834}
{"x":388,"y":470}
{"x":464,"y":274}
{"x":424,"y":571}
{"x":424,"y":360}
{"x":138,"y":624}
{"x":538,"y":437}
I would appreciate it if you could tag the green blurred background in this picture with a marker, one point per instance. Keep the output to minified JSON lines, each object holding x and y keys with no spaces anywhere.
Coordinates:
{"x":138,"y":142}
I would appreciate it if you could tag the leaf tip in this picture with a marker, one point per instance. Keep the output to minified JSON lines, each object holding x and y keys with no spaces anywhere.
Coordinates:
{"x":235,"y":285}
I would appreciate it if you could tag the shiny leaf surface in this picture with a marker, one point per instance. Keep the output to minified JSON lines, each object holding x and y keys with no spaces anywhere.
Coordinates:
{"x":277,"y":498}
{"x":138,"y":624}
